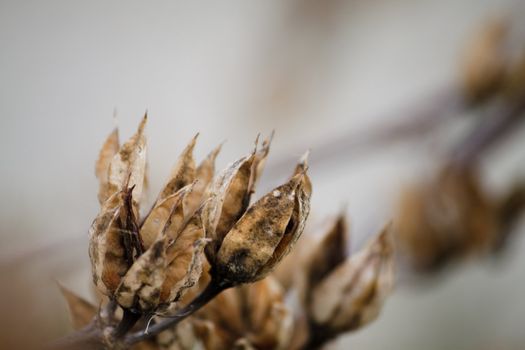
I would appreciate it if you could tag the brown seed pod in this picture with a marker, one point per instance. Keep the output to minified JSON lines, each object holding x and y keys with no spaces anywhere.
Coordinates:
{"x":484,"y":61}
{"x":107,"y":152}
{"x":253,"y":316}
{"x":182,"y":174}
{"x":128,"y":166}
{"x":353,"y":294}
{"x":203,"y":178}
{"x":167,"y":269}
{"x":140,"y":286}
{"x":106,"y":250}
{"x":170,"y":207}
{"x":264,"y":234}
{"x":326,"y":256}
{"x":449,"y":218}
{"x":230,"y":195}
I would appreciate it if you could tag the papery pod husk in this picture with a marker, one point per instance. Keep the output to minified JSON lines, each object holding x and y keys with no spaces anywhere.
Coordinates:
{"x":253,"y":241}
{"x":297,"y":222}
{"x":228,"y":199}
{"x":185,"y":258}
{"x":270,"y":320}
{"x":484,"y":62}
{"x":444,"y":220}
{"x":182,"y":174}
{"x":229,"y":196}
{"x":286,"y":272}
{"x":128,"y":166}
{"x":171,"y":208}
{"x":107,"y":152}
{"x":353,"y":294}
{"x":106,"y":251}
{"x":81,"y":311}
{"x":253,"y":314}
{"x":140,"y":287}
{"x":259,"y":162}
{"x":329,"y":252}
{"x":203,"y":178}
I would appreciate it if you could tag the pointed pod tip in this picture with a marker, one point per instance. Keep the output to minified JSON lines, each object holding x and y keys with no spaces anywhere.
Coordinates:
{"x":142,"y":124}
{"x":191,"y":144}
{"x":213,"y":154}
{"x":384,"y":238}
{"x":304,"y":158}
{"x":256,"y":143}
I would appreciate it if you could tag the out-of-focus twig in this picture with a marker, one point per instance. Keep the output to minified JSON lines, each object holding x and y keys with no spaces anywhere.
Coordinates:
{"x":421,"y":118}
{"x":499,"y":122}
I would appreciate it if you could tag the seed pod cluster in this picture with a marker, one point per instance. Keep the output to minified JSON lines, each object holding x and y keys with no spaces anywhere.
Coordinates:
{"x":341,"y":293}
{"x":147,"y":263}
{"x":248,"y":241}
{"x":452,"y":217}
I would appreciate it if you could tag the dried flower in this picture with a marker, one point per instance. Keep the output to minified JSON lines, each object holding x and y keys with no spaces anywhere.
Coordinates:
{"x":252,"y":316}
{"x":448,"y":218}
{"x":151,"y":265}
{"x":352,"y":294}
{"x":484,"y":61}
{"x":248,"y":242}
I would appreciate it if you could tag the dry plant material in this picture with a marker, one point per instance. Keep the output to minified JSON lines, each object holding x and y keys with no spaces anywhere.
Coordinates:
{"x":247,"y":242}
{"x":144,"y":266}
{"x":484,"y":62}
{"x":252,"y":316}
{"x":452,"y":218}
{"x":341,"y":293}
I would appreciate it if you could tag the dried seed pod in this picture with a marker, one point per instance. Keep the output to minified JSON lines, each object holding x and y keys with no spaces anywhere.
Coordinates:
{"x":182,"y":174}
{"x":107,"y":152}
{"x":484,"y":61}
{"x":253,"y":315}
{"x":140,"y":287}
{"x":203,"y":177}
{"x":185,"y":268}
{"x":264,"y":234}
{"x":81,"y":311}
{"x":326,"y":256}
{"x":128,"y":166}
{"x":352,"y":295}
{"x":171,"y":265}
{"x":170,"y":207}
{"x":230,"y":195}
{"x":106,"y":250}
{"x":449,"y":218}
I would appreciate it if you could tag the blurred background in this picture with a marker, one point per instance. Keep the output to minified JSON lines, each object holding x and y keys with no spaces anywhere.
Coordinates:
{"x":329,"y":76}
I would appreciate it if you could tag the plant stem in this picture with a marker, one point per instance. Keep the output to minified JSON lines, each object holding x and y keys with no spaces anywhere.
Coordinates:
{"x":129,"y":319}
{"x":489,"y":131}
{"x":210,"y":292}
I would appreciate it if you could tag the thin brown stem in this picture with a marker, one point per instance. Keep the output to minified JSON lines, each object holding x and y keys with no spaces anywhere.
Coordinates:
{"x":497,"y":124}
{"x":210,"y":292}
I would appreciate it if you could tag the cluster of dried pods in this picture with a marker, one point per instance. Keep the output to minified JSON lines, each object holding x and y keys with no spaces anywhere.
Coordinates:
{"x":452,"y":217}
{"x":198,"y":267}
